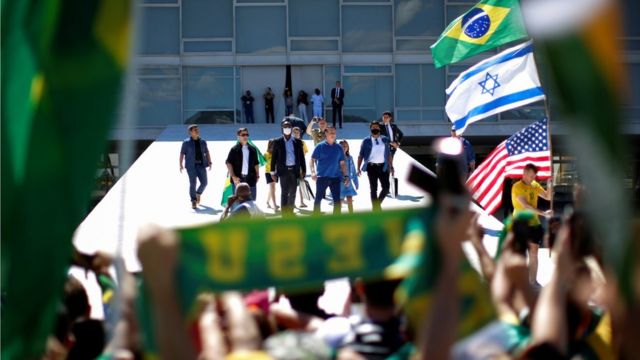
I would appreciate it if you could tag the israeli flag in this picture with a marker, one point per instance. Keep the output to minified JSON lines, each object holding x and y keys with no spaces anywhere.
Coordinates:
{"x":500,"y":83}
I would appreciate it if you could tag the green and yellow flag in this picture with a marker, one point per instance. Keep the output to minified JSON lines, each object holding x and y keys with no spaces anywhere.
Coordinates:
{"x":63,"y":63}
{"x":489,"y":24}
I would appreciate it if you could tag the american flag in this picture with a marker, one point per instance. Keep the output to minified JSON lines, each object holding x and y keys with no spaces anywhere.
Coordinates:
{"x":528,"y":145}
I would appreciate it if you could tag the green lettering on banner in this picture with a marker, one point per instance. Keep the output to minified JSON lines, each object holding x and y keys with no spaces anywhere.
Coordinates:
{"x":291,"y":252}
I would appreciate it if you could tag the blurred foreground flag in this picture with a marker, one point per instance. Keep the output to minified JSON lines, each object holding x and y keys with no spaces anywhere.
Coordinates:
{"x":579,"y":43}
{"x":500,"y":83}
{"x":529,"y":145}
{"x":489,"y":24}
{"x":63,"y":63}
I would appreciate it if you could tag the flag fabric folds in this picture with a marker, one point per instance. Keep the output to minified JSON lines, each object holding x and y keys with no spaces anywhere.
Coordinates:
{"x":490,"y":23}
{"x":529,"y":145}
{"x":65,"y":62}
{"x":500,"y":83}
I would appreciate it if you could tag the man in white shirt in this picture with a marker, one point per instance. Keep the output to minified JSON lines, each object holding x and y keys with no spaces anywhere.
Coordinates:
{"x":375,"y":152}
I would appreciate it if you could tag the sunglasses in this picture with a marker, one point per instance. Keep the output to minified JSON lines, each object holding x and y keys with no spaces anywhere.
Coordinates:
{"x":243,"y":135}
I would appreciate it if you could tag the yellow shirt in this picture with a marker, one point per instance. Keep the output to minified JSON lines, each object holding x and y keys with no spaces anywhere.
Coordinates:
{"x":305,"y":149}
{"x":530,"y":193}
{"x":267,"y":166}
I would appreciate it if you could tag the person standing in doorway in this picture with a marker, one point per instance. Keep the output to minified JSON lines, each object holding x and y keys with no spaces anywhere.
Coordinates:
{"x":332,"y":170}
{"x":303,"y":101}
{"x":196,"y":158}
{"x":288,"y":102}
{"x":375,"y":152}
{"x":349,"y":191}
{"x":268,"y":97}
{"x":318,"y":103}
{"x":242,"y":162}
{"x":337,"y":100}
{"x":392,"y":131}
{"x":287,"y":165}
{"x":247,"y":105}
{"x":524,"y":196}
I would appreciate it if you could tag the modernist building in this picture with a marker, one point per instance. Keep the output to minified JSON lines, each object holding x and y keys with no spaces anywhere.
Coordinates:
{"x":195,"y":58}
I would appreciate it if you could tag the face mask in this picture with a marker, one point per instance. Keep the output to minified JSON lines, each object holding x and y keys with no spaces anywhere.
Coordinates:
{"x":375,"y":131}
{"x":286,"y":131}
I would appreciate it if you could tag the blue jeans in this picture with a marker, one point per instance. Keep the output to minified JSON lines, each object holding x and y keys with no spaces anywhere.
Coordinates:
{"x":333,"y":183}
{"x":198,"y":172}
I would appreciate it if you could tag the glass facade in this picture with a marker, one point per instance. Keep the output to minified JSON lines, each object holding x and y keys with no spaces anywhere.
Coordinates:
{"x":197,"y":57}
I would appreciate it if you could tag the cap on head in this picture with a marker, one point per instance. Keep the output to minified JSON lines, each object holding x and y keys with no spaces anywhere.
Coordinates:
{"x":285,"y":122}
{"x":190,"y":127}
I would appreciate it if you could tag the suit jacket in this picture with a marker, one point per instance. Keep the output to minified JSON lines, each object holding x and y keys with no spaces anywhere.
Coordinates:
{"x":279,"y":157}
{"x":235,"y":159}
{"x":340,"y":98}
{"x":365,"y":152}
{"x":397,"y":133}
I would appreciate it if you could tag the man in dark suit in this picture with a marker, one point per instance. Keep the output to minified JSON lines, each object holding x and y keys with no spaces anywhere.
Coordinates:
{"x":391,"y":130}
{"x":337,"y":100}
{"x":288,"y":163}
{"x":242,"y":163}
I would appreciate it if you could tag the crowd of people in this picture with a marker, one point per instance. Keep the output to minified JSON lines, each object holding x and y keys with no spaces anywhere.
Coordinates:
{"x":301,"y":103}
{"x":580,"y":313}
{"x":331,"y":167}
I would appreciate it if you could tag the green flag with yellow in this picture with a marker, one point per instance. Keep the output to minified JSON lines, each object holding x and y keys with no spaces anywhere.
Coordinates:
{"x":63,"y":63}
{"x":489,"y":24}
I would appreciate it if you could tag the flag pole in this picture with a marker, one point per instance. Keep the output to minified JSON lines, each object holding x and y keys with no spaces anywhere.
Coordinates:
{"x":548,"y":115}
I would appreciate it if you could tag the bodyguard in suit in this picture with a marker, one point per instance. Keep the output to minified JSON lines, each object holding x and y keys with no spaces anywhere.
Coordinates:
{"x":337,"y":100}
{"x":288,"y":164}
{"x":391,"y":130}
{"x":194,"y":153}
{"x":378,"y":163}
{"x":242,"y":163}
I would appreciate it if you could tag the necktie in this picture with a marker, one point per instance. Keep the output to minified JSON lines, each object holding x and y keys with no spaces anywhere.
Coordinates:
{"x":390,"y":132}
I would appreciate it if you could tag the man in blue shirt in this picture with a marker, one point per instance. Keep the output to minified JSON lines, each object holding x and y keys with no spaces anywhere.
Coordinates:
{"x":331,"y":169}
{"x":375,"y":152}
{"x":195,"y":155}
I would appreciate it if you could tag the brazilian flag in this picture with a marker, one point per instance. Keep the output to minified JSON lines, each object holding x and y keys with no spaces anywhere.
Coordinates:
{"x":489,"y":24}
{"x":63,"y":63}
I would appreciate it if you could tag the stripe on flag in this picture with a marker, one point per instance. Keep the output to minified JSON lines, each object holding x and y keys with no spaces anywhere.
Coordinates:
{"x":508,"y":160}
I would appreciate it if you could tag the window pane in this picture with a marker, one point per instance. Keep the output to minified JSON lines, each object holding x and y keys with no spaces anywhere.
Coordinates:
{"x":366,"y":29}
{"x":158,"y":102}
{"x":160,"y":1}
{"x":434,"y":116}
{"x":207,"y":46}
{"x":407,"y":115}
{"x":413,"y":44}
{"x":407,"y":85}
{"x":260,"y":29}
{"x":314,"y":45}
{"x":208,"y":88}
{"x":207,"y":18}
{"x":259,"y":1}
{"x":419,"y":17}
{"x":631,"y":9}
{"x":367,"y":69}
{"x":160,"y":33}
{"x":524,"y":113}
{"x":208,"y":117}
{"x":165,"y":71}
{"x":314,"y":18}
{"x":370,"y":95}
{"x":359,"y":1}
{"x":433,"y":86}
{"x":453,"y":11}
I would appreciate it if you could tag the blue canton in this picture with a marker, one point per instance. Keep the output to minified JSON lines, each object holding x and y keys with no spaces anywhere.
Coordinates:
{"x":533,"y":138}
{"x":487,"y":83}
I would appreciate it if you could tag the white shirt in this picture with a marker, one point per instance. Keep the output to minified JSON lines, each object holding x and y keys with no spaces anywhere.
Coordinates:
{"x":389,"y":131}
{"x":377,"y":151}
{"x":245,"y":160}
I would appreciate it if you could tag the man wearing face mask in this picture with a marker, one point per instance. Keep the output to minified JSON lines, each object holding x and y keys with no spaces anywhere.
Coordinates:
{"x":287,"y":163}
{"x":375,"y":151}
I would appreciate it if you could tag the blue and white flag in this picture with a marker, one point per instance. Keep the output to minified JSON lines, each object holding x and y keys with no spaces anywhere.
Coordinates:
{"x":500,"y":83}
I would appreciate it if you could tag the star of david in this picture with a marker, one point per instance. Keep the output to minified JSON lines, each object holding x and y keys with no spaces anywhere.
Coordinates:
{"x":489,"y":84}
